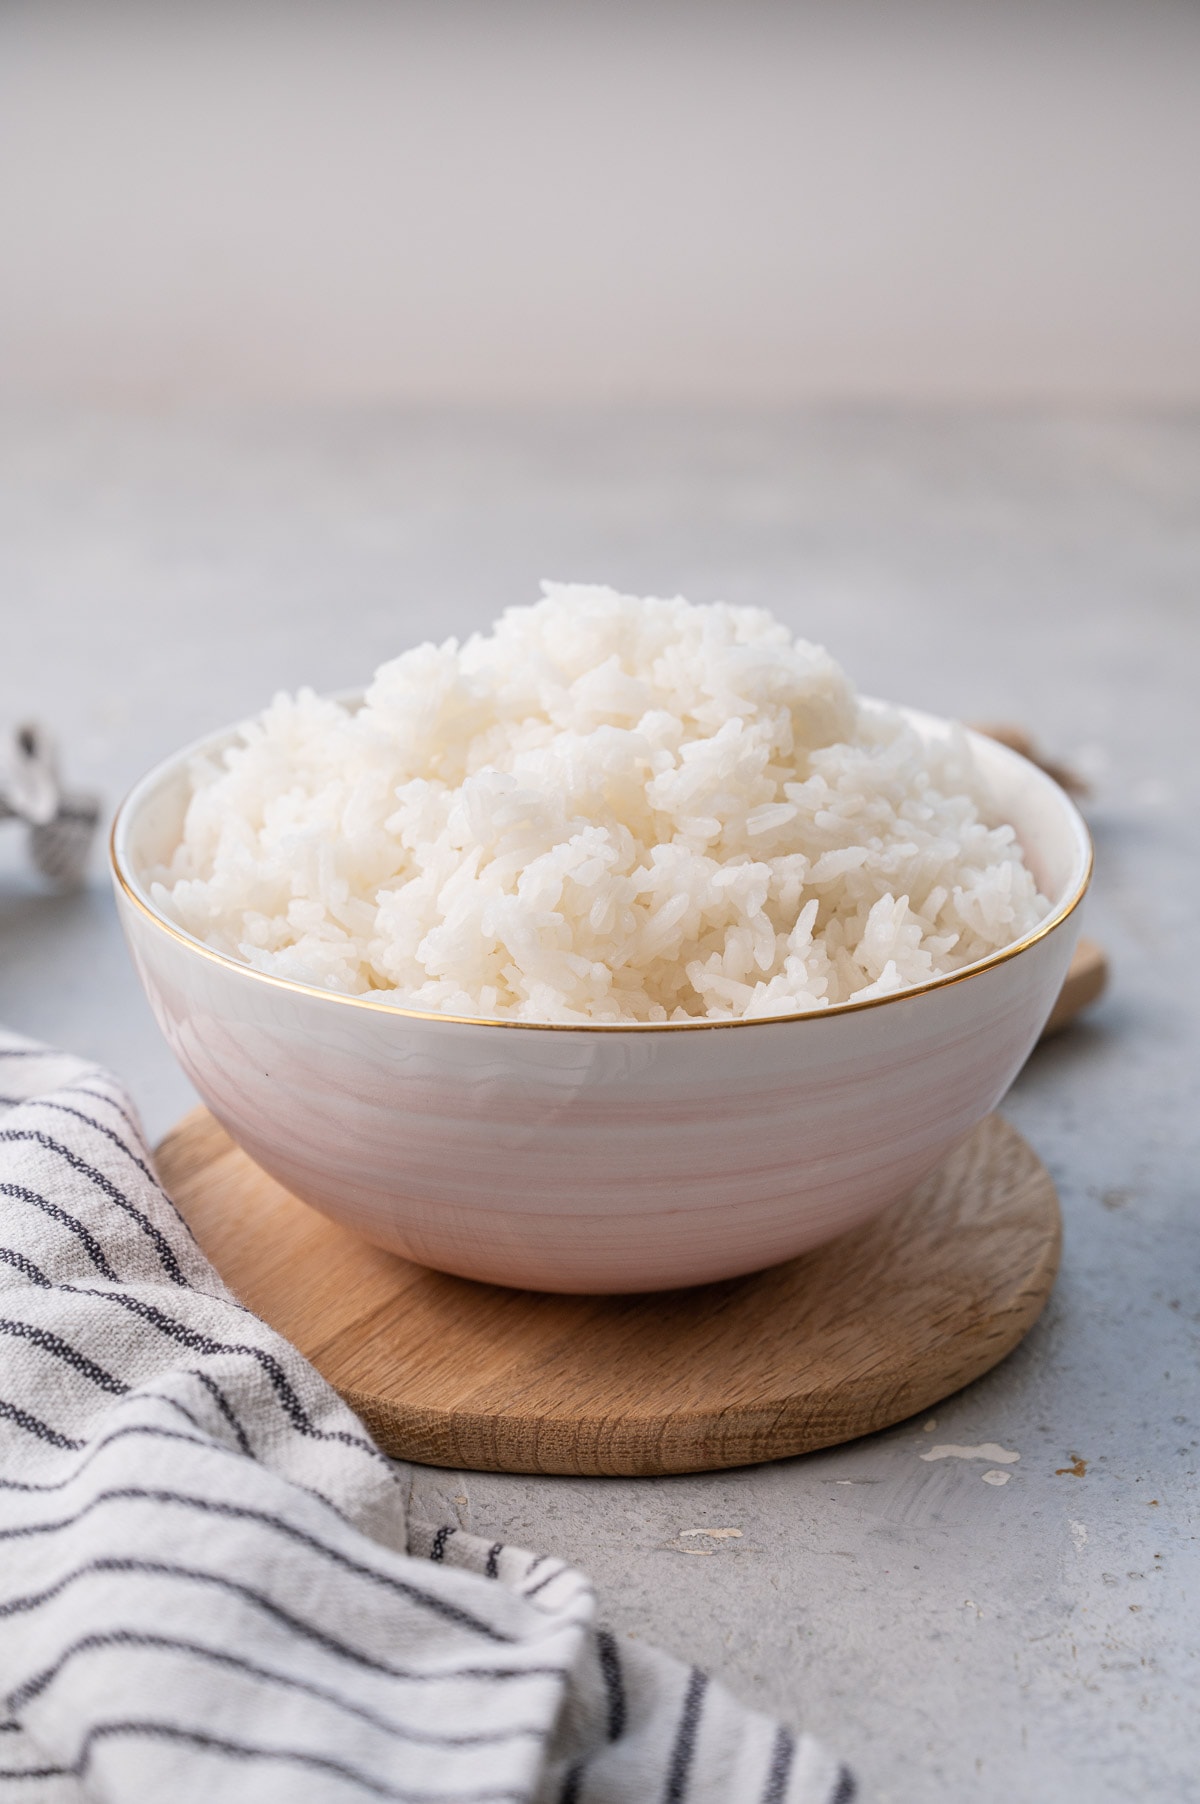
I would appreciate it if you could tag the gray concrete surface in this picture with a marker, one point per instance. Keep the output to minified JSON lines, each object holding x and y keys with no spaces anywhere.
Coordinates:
{"x":955,"y":1639}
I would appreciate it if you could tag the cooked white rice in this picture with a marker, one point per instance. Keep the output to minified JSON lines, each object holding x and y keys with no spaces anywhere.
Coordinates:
{"x":607,"y":809}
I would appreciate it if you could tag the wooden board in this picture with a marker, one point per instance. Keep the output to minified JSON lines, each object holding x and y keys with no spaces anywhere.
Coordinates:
{"x":1086,"y":981}
{"x":880,"y":1324}
{"x":857,"y":1335}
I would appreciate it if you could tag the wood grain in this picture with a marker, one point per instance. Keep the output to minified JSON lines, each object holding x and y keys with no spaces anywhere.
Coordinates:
{"x":847,"y":1339}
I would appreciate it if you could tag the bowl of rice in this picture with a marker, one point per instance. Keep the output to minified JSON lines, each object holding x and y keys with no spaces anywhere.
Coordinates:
{"x":622,"y":948}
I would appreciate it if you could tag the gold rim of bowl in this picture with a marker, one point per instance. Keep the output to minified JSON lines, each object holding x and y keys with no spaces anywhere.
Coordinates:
{"x":700,"y":1024}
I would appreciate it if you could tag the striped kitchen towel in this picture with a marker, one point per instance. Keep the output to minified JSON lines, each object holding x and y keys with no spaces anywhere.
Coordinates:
{"x":209,"y":1584}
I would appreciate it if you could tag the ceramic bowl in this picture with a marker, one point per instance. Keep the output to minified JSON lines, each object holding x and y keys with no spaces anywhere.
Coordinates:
{"x":618,"y":1158}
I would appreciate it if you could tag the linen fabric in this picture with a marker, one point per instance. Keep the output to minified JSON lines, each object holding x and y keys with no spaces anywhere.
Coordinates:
{"x":210,"y":1586}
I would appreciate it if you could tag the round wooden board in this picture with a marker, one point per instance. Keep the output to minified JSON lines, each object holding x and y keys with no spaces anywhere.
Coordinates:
{"x":853,"y":1337}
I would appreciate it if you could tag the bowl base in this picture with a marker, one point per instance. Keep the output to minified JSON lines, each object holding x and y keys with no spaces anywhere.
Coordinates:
{"x":850,"y":1338}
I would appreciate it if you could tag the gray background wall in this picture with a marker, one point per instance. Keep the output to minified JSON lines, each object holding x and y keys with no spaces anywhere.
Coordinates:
{"x":703,"y":201}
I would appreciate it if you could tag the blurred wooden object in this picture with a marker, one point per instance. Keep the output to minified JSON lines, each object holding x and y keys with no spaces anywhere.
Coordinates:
{"x":1018,"y":740}
{"x":1087,"y":977}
